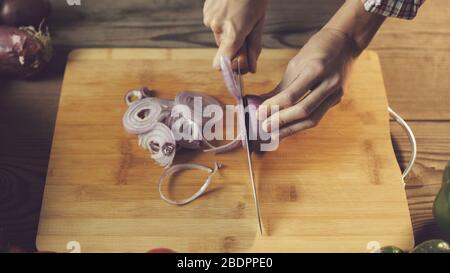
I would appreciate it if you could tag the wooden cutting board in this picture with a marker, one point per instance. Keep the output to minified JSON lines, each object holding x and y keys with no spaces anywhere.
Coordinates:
{"x":337,"y":187}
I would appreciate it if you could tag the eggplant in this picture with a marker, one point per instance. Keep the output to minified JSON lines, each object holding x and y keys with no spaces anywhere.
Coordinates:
{"x":23,"y":51}
{"x":20,"y":13}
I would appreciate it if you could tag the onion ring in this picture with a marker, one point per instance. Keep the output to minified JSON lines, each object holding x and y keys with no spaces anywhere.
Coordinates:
{"x":179,"y":125}
{"x":160,"y":142}
{"x":135,"y":95}
{"x":223,"y":148}
{"x":180,"y":167}
{"x":229,"y":78}
{"x":187,"y":98}
{"x":142,"y":114}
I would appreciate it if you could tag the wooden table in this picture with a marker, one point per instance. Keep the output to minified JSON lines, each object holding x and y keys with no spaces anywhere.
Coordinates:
{"x":415,"y":58}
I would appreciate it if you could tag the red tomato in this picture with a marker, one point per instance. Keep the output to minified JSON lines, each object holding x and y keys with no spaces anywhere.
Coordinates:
{"x":161,"y":250}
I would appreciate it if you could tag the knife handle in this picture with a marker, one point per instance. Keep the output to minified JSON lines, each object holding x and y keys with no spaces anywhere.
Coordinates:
{"x":242,"y":56}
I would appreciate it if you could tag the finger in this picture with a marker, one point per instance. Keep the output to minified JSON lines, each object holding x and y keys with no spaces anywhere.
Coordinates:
{"x":217,"y":38}
{"x":288,"y":78}
{"x":254,"y":45}
{"x":228,"y":48}
{"x":262,"y":111}
{"x":310,"y":122}
{"x":302,"y":109}
{"x":295,"y":91}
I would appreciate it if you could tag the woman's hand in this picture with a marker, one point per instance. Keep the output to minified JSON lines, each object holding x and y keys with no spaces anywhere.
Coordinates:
{"x":314,"y":79}
{"x":312,"y":83}
{"x":235,"y":23}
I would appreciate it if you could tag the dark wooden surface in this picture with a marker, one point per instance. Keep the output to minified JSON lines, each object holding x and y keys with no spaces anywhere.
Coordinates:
{"x":415,"y":57}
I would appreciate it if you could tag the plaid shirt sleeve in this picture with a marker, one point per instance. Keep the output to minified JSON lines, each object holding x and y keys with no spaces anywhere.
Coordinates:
{"x":406,"y":9}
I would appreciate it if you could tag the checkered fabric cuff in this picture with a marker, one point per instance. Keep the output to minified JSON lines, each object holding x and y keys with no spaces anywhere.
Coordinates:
{"x":405,"y":9}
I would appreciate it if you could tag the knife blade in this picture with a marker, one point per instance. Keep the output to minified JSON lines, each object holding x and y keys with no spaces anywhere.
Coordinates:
{"x":245,"y":117}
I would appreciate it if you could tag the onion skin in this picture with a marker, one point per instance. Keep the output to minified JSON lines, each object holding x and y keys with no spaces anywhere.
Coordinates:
{"x":24,"y":52}
{"x":20,"y":13}
{"x":254,"y":100}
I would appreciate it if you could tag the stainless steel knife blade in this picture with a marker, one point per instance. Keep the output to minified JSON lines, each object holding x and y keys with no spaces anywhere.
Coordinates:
{"x":245,"y":128}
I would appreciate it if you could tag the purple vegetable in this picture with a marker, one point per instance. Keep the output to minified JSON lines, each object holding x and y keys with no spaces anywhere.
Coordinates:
{"x":20,"y":13}
{"x":23,"y":51}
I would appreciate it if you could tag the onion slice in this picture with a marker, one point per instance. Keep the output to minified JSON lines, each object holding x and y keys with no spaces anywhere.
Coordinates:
{"x":161,"y":143}
{"x":135,"y":95}
{"x":187,"y":98}
{"x":192,"y":138}
{"x":142,"y":115}
{"x":186,"y":131}
{"x":180,"y":167}
{"x":223,"y":148}
{"x":229,"y":78}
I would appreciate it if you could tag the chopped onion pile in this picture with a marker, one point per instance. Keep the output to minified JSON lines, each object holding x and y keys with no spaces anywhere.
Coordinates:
{"x":152,"y":119}
{"x":163,"y":127}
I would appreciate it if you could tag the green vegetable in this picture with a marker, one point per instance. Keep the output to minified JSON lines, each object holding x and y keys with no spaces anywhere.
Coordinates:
{"x":432,"y":246}
{"x":391,"y":249}
{"x":446,"y":176}
{"x":441,"y":207}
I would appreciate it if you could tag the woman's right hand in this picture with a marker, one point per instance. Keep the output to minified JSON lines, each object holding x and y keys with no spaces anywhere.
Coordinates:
{"x":234,"y":23}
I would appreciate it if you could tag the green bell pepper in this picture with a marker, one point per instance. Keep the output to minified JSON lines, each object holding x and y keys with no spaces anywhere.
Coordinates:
{"x":391,"y":249}
{"x":432,"y":246}
{"x":441,"y":207}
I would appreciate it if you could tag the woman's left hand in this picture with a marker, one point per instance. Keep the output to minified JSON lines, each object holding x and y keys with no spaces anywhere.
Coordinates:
{"x":312,"y":84}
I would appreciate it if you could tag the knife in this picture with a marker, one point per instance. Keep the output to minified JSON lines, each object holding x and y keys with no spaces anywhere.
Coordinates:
{"x":244,"y":116}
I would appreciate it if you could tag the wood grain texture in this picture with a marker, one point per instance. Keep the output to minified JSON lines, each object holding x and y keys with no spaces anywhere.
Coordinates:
{"x":414,"y":57}
{"x":176,"y":23}
{"x":101,"y":187}
{"x":27,"y":117}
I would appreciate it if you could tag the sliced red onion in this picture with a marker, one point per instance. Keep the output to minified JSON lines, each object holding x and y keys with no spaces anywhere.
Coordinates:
{"x":135,"y":95}
{"x":229,"y":78}
{"x":180,"y":167}
{"x":142,"y":115}
{"x":188,"y":98}
{"x":192,"y":139}
{"x":146,"y":115}
{"x":195,"y":137}
{"x":223,"y":148}
{"x":160,"y":142}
